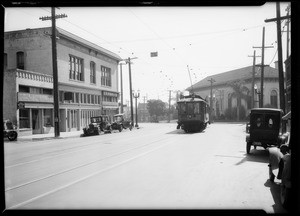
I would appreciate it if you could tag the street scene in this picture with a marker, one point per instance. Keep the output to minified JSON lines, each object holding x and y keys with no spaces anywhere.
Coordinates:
{"x":154,"y":167}
{"x":148,"y":107}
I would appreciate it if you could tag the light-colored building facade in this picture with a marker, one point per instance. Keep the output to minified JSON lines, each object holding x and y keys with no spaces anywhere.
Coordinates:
{"x":87,"y":80}
{"x":224,"y":98}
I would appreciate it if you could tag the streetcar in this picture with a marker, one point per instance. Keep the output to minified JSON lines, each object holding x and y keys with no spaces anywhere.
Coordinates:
{"x":193,"y":113}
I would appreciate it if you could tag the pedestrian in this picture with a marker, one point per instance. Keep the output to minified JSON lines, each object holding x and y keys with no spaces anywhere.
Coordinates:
{"x":274,"y":158}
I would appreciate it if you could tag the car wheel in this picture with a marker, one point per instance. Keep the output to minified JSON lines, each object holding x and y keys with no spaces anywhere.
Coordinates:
{"x":121,"y":128}
{"x":12,"y":135}
{"x":248,"y":147}
{"x":284,"y":197}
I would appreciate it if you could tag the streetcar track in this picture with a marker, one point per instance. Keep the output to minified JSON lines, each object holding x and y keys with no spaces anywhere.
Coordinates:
{"x":84,"y":178}
{"x":61,"y":150}
{"x":83,"y":165}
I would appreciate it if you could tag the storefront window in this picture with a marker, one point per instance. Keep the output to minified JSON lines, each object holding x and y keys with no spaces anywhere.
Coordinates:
{"x":24,"y":118}
{"x":48,"y":118}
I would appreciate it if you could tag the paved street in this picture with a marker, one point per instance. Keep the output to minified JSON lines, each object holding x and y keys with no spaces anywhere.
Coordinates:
{"x":154,"y":167}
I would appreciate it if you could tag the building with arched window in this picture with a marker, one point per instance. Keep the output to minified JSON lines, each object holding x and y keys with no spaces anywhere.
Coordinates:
{"x":233,"y":88}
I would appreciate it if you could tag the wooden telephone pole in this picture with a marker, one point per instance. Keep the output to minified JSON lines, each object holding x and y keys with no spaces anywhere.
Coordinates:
{"x":130,"y":88}
{"x":53,"y":17}
{"x":169,"y":106}
{"x":211,"y":80}
{"x":261,"y":101}
{"x":280,"y":64}
{"x":121,"y":76}
{"x":253,"y":78}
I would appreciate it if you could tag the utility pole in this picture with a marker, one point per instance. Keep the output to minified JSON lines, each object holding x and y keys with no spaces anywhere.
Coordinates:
{"x":169,"y":106}
{"x":211,"y":80}
{"x":144,"y":110}
{"x":253,"y":78}
{"x":121,"y":75}
{"x":261,"y":101}
{"x":288,"y":33}
{"x":54,"y":65}
{"x":130,"y":88}
{"x":280,"y":64}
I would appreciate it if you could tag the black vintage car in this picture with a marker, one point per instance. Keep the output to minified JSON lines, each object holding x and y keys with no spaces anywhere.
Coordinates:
{"x":265,"y":128}
{"x":9,"y":130}
{"x":119,"y":123}
{"x":280,"y":160}
{"x":98,"y":124}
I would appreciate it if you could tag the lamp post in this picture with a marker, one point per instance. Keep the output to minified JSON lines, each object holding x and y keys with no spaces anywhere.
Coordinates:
{"x":136,"y":95}
{"x":258,"y":93}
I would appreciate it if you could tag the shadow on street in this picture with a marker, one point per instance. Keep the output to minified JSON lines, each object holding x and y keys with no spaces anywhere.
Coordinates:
{"x":257,"y":155}
{"x":179,"y":131}
{"x":275,"y":191}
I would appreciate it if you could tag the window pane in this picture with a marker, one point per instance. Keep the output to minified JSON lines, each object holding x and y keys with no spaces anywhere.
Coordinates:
{"x":20,"y":60}
{"x":48,"y":118}
{"x":24,"y":118}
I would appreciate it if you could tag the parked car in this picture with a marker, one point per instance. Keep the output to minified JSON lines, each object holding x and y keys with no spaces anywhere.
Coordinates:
{"x":119,"y":123}
{"x":9,"y":130}
{"x":265,"y":128}
{"x":280,"y":158}
{"x":98,"y":124}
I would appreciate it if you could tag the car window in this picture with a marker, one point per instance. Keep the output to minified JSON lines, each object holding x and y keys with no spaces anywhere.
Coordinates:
{"x":272,"y":121}
{"x":257,"y":121}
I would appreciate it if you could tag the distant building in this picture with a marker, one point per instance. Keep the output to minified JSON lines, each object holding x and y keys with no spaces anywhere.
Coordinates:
{"x":224,"y":97}
{"x":87,"y":80}
{"x":143,"y":113}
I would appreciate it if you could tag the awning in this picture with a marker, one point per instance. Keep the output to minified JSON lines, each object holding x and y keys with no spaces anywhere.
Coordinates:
{"x":39,"y":105}
{"x":110,"y":107}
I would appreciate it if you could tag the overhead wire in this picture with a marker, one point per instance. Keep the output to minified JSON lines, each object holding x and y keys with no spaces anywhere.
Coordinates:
{"x":163,"y":39}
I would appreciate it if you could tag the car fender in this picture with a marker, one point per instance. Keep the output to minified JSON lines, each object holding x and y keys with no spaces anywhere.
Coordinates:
{"x":248,"y":138}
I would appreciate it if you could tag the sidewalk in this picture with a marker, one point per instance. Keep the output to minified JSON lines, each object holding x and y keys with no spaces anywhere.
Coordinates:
{"x":63,"y":135}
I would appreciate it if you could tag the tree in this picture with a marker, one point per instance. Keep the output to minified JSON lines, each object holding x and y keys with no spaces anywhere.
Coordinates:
{"x":156,"y":108}
{"x":239,"y":92}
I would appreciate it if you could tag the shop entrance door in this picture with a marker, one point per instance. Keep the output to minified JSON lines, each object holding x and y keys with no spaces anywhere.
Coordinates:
{"x":36,"y":121}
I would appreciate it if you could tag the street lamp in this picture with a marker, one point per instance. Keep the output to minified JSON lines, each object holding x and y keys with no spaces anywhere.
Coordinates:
{"x":258,"y":93}
{"x":136,"y":95}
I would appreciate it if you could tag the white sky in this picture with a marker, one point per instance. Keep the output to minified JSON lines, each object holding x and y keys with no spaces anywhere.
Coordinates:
{"x":210,"y":40}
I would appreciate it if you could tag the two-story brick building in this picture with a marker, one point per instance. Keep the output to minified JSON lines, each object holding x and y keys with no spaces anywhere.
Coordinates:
{"x":87,"y":74}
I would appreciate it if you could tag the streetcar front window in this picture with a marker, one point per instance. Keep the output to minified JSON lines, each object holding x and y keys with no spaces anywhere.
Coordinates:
{"x":196,"y":108}
{"x":190,"y":107}
{"x":182,"y":108}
